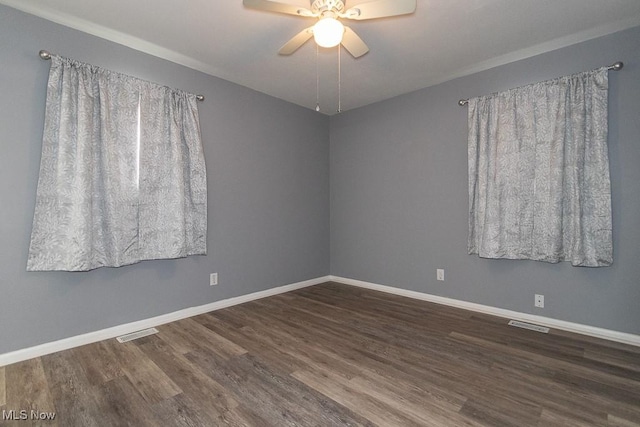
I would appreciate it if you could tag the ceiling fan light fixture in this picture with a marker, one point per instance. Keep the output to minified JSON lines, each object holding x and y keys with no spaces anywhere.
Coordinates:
{"x":328,"y":32}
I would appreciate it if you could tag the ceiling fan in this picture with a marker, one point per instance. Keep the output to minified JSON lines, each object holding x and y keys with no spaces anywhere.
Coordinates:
{"x":329,"y":31}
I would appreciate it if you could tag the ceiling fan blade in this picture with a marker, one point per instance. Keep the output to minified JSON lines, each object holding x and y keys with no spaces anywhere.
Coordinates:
{"x":380,"y":9}
{"x":296,"y":42}
{"x":353,"y":43}
{"x":272,"y":6}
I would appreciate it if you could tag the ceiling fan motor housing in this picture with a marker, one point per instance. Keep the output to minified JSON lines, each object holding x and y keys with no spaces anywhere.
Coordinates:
{"x":322,"y":6}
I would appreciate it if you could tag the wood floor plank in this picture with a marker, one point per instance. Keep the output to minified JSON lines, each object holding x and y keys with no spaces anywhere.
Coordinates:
{"x":412,"y":402}
{"x":594,"y":343}
{"x":254,"y":342}
{"x":241,"y":417}
{"x":332,"y":355}
{"x":183,"y":411}
{"x":335,"y":388}
{"x":71,"y":391}
{"x":291,"y":402}
{"x":188,"y":377}
{"x":615,"y":421}
{"x":609,"y":392}
{"x":496,"y":411}
{"x":621,"y":359}
{"x":535,"y":384}
{"x":27,"y":389}
{"x":99,"y":362}
{"x":621,"y":378}
{"x":187,"y":335}
{"x":120,"y":404}
{"x":145,"y":376}
{"x":549,"y":418}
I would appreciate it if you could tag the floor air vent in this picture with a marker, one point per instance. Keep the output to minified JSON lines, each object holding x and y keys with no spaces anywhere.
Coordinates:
{"x":135,"y":335}
{"x":530,"y":326}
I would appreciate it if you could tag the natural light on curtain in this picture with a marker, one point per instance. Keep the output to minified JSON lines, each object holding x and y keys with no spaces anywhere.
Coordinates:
{"x":122,"y":174}
{"x":539,"y":185}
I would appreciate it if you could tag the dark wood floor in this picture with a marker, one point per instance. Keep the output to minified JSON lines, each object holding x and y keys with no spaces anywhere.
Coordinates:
{"x":334,"y":355}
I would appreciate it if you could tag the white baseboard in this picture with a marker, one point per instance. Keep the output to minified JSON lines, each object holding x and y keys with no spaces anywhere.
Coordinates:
{"x":104,"y":334}
{"x":91,"y":337}
{"x":578,"y":328}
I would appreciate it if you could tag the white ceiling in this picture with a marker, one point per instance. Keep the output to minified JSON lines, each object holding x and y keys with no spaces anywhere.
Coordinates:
{"x":443,"y":40}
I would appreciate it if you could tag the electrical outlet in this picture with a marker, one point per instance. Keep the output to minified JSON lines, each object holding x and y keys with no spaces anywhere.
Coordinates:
{"x":213,"y":279}
{"x":539,"y":302}
{"x":440,"y":274}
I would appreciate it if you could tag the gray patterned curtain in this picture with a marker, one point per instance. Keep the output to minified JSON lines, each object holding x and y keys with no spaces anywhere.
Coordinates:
{"x":539,"y":185}
{"x":122,"y":174}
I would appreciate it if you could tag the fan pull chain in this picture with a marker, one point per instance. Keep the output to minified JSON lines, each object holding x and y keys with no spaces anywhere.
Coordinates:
{"x":317,"y":82}
{"x":339,"y":81}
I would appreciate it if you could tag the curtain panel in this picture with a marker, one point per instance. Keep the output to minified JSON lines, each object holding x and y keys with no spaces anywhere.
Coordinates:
{"x":539,"y":184}
{"x":122,"y":174}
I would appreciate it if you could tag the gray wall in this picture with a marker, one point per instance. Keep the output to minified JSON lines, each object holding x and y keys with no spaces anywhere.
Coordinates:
{"x":399,"y":195}
{"x":267,"y":163}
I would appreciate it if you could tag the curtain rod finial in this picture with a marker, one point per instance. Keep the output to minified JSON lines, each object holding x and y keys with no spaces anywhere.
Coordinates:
{"x":44,"y":54}
{"x":463,"y":102}
{"x":617,"y":66}
{"x":200,"y":97}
